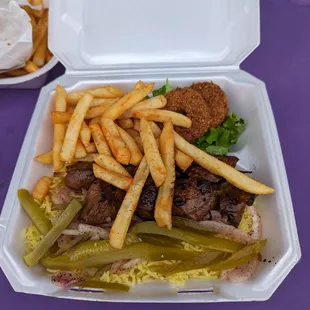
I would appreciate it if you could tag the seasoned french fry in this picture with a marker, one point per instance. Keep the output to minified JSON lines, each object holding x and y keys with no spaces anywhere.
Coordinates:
{"x":139,"y":144}
{"x":99,"y":92}
{"x":102,"y":101}
{"x":42,"y":188}
{"x":49,"y":56}
{"x":39,"y":31}
{"x":116,"y":143}
{"x":118,"y":180}
{"x":99,"y":139}
{"x":45,"y":158}
{"x":59,"y":129}
{"x":139,"y":85}
{"x":91,"y":148}
{"x":85,"y":135}
{"x":123,"y":219}
{"x":36,"y":2}
{"x":88,"y":158}
{"x":16,"y":72}
{"x":80,"y":151}
{"x":125,"y":123}
{"x":182,"y":160}
{"x":74,"y":127}
{"x":61,"y":117}
{"x":163,"y":206}
{"x":154,"y":160}
{"x":109,"y":163}
{"x":128,"y":101}
{"x":40,"y":54}
{"x":136,"y":125}
{"x":133,"y":132}
{"x":136,"y":155}
{"x":157,"y":102}
{"x":97,"y":111}
{"x":96,"y":120}
{"x":163,"y":116}
{"x":30,"y":67}
{"x":155,"y":129}
{"x":218,"y":167}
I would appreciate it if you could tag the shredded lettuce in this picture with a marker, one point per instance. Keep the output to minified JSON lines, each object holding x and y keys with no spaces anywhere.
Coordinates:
{"x":217,"y":141}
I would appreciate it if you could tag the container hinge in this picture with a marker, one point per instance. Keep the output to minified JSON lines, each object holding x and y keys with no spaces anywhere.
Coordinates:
{"x":167,"y":71}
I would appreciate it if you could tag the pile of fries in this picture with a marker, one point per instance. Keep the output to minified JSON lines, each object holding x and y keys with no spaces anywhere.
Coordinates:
{"x":111,"y":129}
{"x":40,"y":54}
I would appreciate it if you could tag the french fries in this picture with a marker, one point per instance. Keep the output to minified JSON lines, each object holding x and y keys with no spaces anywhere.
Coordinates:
{"x":182,"y":160}
{"x":139,"y":85}
{"x":61,"y":117}
{"x":163,"y":116}
{"x":46,"y":158}
{"x":157,"y":102}
{"x":88,"y":158}
{"x":121,"y":224}
{"x":74,"y":127}
{"x":218,"y":167}
{"x":80,"y":151}
{"x":155,"y":129}
{"x":116,"y":143}
{"x":128,"y":101}
{"x":133,"y":132}
{"x":109,"y":163}
{"x":97,"y":111}
{"x":59,"y":129}
{"x":91,"y":148}
{"x":154,"y":160}
{"x":118,"y":180}
{"x":125,"y":123}
{"x":99,"y":92}
{"x":40,"y":54}
{"x":96,"y":120}
{"x":40,"y":31}
{"x":42,"y":188}
{"x":30,"y":67}
{"x":163,"y":206}
{"x":36,"y":2}
{"x":16,"y":72}
{"x":85,"y":135}
{"x":99,"y":139}
{"x":136,"y":155}
{"x":102,"y":101}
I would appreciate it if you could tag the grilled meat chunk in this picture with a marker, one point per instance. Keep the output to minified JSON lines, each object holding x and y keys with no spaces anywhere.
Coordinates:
{"x":79,"y":175}
{"x":102,"y":202}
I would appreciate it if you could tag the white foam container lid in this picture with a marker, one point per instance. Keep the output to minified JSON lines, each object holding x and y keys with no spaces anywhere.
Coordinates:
{"x":119,"y":42}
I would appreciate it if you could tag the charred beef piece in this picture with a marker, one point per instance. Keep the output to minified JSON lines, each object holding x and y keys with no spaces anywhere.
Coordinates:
{"x":232,"y":202}
{"x":146,"y":205}
{"x":79,"y":175}
{"x":193,"y":198}
{"x":102,"y":201}
{"x":196,"y":171}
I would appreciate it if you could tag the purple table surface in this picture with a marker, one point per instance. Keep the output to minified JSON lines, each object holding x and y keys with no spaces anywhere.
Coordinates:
{"x":283,"y":62}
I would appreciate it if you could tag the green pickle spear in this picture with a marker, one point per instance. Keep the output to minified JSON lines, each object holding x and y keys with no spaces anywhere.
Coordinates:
{"x":241,"y":257}
{"x":209,"y":242}
{"x":141,"y":250}
{"x":104,"y":285}
{"x":49,"y":239}
{"x":39,"y":220}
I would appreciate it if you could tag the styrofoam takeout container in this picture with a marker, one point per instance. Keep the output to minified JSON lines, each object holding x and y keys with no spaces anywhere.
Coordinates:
{"x":32,"y":80}
{"x":119,"y":42}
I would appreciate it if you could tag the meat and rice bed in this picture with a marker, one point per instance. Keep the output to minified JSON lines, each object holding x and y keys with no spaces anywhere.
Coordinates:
{"x":131,"y":199}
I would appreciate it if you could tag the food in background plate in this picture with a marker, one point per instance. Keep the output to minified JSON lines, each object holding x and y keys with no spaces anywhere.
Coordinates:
{"x":118,"y":217}
{"x":40,"y":54}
